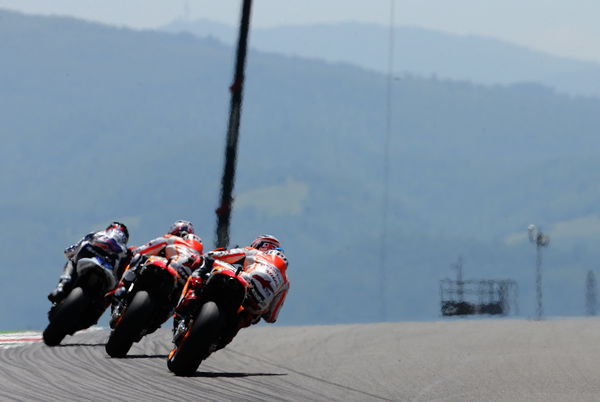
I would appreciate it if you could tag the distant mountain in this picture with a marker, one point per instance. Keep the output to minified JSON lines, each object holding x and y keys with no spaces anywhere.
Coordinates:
{"x":101,"y":123}
{"x":418,"y":51}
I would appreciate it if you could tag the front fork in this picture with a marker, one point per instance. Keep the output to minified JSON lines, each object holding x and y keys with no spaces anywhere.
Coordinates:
{"x":117,"y":313}
{"x":119,"y":308}
{"x":179,"y":329}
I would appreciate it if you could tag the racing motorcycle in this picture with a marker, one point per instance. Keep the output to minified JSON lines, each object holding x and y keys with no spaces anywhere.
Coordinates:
{"x":148,"y":302}
{"x":216,"y":310}
{"x":84,"y":304}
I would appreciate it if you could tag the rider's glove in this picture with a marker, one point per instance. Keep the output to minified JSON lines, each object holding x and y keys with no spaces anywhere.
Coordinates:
{"x":207,"y":261}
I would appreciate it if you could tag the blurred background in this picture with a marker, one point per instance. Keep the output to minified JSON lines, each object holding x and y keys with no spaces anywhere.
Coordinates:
{"x":118,"y":110}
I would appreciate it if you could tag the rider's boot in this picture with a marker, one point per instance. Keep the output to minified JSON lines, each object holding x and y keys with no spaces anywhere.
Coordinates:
{"x":62,"y":288}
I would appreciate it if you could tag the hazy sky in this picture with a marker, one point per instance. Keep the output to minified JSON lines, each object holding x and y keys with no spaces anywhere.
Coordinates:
{"x":567,"y":28}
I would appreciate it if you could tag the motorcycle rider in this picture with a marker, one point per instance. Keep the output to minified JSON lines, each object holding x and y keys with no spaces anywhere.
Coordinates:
{"x":264,"y":268}
{"x":113,"y":243}
{"x":180,"y":245}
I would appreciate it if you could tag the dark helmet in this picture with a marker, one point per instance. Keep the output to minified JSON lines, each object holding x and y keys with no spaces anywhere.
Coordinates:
{"x":121,"y":228}
{"x":181,"y":228}
{"x":265,"y":242}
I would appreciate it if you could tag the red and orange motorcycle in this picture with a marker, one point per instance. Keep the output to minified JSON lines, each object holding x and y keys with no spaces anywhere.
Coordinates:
{"x":148,"y":302}
{"x":216,"y":311}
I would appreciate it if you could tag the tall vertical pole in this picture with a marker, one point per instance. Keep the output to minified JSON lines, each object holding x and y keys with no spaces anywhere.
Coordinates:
{"x":459,"y":279}
{"x":539,"y":311}
{"x":591,"y":301}
{"x":224,"y":210}
{"x":540,"y":240}
{"x":386,"y":168}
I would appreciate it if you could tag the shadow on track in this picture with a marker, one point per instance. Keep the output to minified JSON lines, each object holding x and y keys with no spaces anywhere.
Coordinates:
{"x":206,"y":374}
{"x":68,"y":345}
{"x":145,"y":357}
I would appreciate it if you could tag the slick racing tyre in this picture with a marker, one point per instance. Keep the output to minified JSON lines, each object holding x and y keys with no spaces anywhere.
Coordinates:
{"x":196,"y":343}
{"x":66,"y":317}
{"x":128,"y":329}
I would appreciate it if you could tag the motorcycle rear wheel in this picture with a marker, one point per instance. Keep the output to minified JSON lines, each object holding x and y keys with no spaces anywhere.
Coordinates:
{"x":195,"y":345}
{"x":134,"y":321}
{"x":66,"y":317}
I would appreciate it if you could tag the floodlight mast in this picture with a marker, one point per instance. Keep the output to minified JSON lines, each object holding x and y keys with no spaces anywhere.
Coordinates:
{"x":537,"y":237}
{"x":591,"y":301}
{"x":386,"y":169}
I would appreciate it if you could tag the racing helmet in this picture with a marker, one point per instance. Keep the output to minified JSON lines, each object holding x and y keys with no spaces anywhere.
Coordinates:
{"x":193,"y":236}
{"x":194,"y":242}
{"x":119,"y":227}
{"x":181,"y":228}
{"x":265,"y":242}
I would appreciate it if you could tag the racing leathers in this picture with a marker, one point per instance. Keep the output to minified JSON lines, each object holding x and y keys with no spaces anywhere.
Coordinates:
{"x":184,"y":255}
{"x":109,"y":244}
{"x":265,"y":273}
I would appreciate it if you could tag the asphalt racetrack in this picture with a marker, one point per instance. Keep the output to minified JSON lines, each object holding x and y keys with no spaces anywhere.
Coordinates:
{"x":483,"y":360}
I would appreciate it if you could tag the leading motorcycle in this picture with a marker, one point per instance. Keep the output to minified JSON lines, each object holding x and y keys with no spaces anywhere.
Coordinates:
{"x":215,"y":312}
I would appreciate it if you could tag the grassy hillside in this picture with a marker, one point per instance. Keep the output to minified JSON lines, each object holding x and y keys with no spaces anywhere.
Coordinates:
{"x":102,"y":123}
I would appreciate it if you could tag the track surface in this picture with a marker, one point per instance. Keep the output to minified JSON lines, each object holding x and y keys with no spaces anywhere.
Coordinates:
{"x":505,"y":360}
